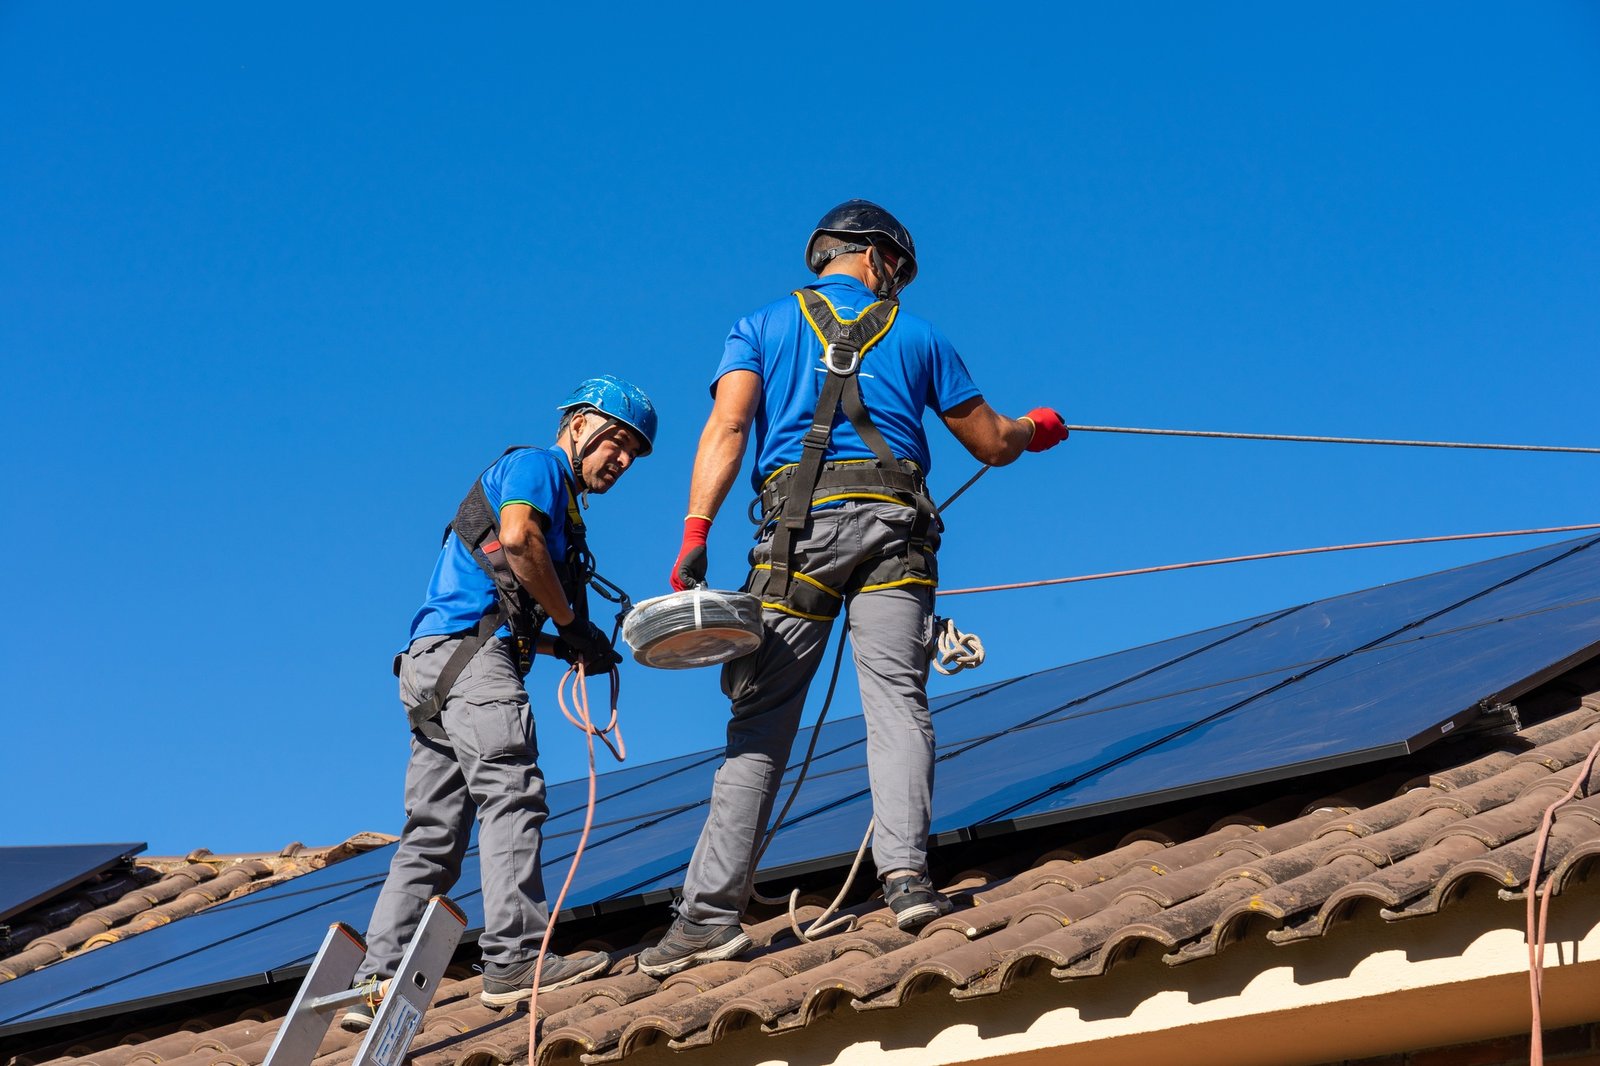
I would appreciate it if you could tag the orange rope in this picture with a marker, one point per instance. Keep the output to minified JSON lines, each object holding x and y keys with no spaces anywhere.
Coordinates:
{"x":578,"y":715}
{"x":1539,"y":909}
{"x":1265,"y":555}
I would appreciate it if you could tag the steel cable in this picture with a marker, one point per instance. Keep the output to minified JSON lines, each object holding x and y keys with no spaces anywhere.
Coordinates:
{"x":1265,"y":555}
{"x":1222,"y":435}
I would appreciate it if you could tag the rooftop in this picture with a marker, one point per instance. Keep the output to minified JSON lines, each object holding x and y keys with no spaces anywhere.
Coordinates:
{"x":1342,"y":861}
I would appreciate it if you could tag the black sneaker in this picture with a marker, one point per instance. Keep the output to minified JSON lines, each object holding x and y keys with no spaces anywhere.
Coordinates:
{"x":914,"y":901}
{"x":504,"y":985}
{"x":689,"y":944}
{"x":356,"y":1019}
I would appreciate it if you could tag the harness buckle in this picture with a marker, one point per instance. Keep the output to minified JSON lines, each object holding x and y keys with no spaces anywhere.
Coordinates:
{"x":833,"y":367}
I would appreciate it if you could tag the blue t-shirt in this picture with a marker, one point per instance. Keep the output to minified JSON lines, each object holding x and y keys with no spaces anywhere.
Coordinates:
{"x":911,"y":369}
{"x":460,"y":593}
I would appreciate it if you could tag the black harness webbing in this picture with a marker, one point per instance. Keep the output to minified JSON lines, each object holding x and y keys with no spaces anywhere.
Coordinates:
{"x":478,"y":527}
{"x":844,"y":344}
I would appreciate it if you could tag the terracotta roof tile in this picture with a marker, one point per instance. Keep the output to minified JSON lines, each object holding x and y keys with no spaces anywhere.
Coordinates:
{"x":976,"y":966}
{"x":1385,"y":815}
{"x":1170,"y":888}
{"x":986,"y":918}
{"x":767,"y":1004}
{"x":1395,"y":843}
{"x":676,"y":1019}
{"x":1267,"y":840}
{"x":1271,"y":870}
{"x":1581,"y":808}
{"x":1411,"y":877}
{"x":599,"y":1029}
{"x":1308,"y":891}
{"x":880,"y":982}
{"x":1579,"y":862}
{"x":1491,"y":792}
{"x":1563,"y":751}
{"x":1190,"y":919}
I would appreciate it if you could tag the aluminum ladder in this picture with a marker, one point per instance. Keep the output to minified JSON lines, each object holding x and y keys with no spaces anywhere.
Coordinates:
{"x":402,"y":1000}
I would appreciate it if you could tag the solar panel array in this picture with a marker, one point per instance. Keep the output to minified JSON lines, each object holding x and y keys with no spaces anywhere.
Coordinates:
{"x":1345,"y":680}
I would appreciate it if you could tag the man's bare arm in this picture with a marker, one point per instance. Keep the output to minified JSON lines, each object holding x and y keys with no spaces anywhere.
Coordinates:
{"x":990,"y":436}
{"x":529,"y":558}
{"x":723,"y":441}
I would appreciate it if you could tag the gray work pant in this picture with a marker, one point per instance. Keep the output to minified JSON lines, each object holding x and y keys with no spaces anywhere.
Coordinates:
{"x":891,"y":631}
{"x":488,"y":770}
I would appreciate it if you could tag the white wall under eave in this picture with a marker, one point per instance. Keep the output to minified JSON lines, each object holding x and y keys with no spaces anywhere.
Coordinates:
{"x":1368,"y":987}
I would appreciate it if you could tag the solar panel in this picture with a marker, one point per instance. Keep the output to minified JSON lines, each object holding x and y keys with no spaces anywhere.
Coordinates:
{"x":1425,"y":657}
{"x":1344,"y":680}
{"x":31,"y":875}
{"x":231,"y":945}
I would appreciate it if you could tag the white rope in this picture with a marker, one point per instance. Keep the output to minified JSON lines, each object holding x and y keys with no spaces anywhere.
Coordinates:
{"x":821,"y":926}
{"x":957,"y":651}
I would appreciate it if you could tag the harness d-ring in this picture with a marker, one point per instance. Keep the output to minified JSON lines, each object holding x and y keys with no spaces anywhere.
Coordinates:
{"x":834,"y":368}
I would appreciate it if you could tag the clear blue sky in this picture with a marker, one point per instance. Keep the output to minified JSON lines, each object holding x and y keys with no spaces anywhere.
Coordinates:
{"x":278,"y":281}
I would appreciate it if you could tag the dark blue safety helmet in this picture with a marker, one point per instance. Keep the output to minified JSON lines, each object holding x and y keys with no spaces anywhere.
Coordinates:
{"x":618,"y":400}
{"x":862,"y":224}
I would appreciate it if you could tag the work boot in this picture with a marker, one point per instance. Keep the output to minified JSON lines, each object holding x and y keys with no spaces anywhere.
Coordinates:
{"x":689,"y":944}
{"x":507,"y":984}
{"x":914,"y":901}
{"x":356,"y":1018}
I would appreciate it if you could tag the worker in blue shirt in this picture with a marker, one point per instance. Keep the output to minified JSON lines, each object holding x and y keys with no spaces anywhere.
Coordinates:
{"x":832,"y":381}
{"x":513,"y":558}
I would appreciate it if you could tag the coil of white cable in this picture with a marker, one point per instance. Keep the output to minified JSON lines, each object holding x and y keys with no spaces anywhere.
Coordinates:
{"x":697,"y":627}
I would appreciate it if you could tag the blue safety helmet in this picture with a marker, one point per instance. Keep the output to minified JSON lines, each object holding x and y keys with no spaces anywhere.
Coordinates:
{"x":619,"y":400}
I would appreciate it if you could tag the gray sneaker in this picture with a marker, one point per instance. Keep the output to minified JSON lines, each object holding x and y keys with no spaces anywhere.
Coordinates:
{"x":914,"y":901}
{"x":356,"y":1019}
{"x":689,"y":944}
{"x":504,"y":985}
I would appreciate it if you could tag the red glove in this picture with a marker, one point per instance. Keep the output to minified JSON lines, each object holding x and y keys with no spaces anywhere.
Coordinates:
{"x":690,"y":569}
{"x":1048,"y":429}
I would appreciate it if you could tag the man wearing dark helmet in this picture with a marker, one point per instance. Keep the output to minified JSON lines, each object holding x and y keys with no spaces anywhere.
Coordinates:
{"x":832,"y":382}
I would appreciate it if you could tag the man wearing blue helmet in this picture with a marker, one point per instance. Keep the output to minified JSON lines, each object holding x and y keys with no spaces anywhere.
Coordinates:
{"x":830,"y":384}
{"x":513,"y":558}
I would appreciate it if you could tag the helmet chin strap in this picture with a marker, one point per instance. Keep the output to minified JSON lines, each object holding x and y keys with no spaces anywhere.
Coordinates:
{"x":581,"y":449}
{"x":886,"y":286}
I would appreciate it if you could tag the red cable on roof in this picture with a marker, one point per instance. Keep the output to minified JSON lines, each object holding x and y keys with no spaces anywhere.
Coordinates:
{"x":578,"y":715}
{"x":1539,"y":908}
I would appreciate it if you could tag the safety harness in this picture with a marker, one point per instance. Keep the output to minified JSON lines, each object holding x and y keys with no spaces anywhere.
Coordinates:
{"x":788,"y":496}
{"x":478,"y":526}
